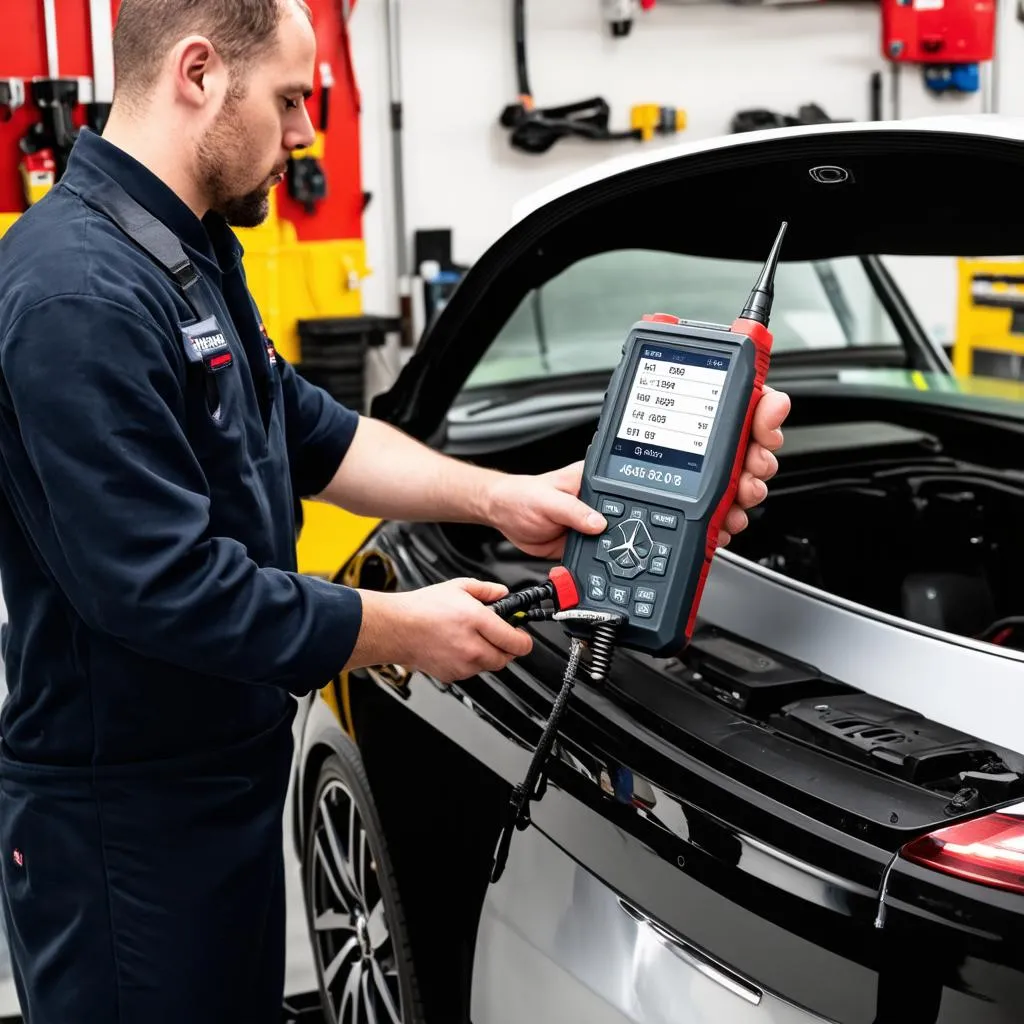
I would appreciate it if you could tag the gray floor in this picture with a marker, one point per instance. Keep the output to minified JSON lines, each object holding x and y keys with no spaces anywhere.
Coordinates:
{"x":300,"y":975}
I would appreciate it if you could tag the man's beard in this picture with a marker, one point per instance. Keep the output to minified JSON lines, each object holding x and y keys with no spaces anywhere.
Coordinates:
{"x":224,"y":143}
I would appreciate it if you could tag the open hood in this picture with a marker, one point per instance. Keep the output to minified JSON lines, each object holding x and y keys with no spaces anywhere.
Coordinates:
{"x":932,"y":187}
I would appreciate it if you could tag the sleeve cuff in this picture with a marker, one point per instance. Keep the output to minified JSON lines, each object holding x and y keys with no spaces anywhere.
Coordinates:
{"x":338,"y":623}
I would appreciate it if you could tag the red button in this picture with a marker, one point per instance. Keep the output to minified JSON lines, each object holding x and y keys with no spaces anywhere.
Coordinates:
{"x":661,"y":318}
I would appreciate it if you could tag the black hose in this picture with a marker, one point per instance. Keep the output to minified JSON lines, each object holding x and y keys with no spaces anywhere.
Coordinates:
{"x":522,"y":77}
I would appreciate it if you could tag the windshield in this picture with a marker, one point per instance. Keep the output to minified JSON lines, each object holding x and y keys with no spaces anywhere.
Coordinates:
{"x":580,"y":319}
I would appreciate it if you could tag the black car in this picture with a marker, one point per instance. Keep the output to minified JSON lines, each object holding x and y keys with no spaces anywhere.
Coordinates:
{"x":815,"y":812}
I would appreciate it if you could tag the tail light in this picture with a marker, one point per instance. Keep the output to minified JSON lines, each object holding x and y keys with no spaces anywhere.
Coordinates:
{"x":988,"y":850}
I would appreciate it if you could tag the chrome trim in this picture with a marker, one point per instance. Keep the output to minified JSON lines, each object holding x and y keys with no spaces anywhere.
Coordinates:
{"x":755,"y":853}
{"x":696,"y":959}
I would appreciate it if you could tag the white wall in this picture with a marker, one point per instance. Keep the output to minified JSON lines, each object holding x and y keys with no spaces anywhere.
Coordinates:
{"x":711,"y":59}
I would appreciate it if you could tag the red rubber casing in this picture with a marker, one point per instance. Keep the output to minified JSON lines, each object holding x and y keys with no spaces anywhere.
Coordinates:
{"x":762,"y":339}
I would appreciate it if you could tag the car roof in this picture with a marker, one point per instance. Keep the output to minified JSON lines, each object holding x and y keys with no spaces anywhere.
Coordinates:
{"x":996,"y":126}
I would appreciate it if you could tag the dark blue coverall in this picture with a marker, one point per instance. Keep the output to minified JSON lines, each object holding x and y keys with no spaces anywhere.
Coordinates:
{"x":152,"y":450}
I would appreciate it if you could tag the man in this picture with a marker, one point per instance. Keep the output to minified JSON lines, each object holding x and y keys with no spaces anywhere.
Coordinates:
{"x":153,"y":447}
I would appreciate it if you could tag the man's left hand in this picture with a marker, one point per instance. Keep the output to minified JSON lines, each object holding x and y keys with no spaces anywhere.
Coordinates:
{"x":533,"y":512}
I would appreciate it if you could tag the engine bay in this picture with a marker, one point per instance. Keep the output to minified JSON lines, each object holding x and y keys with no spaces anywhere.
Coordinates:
{"x":878,"y":514}
{"x":902,"y":520}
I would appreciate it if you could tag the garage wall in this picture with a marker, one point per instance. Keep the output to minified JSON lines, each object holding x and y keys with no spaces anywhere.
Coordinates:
{"x":711,"y":59}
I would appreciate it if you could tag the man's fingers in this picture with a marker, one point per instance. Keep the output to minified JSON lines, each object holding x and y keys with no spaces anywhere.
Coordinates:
{"x":771,"y":411}
{"x":751,"y":491}
{"x":482,"y":590}
{"x":503,"y":635}
{"x":570,"y":476}
{"x":760,"y":462}
{"x":566,"y":510}
{"x":735,"y":521}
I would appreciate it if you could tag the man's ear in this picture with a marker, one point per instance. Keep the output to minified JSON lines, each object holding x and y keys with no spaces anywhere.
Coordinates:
{"x":198,"y":72}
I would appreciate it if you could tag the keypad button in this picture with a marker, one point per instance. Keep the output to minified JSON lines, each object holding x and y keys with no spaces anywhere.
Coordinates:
{"x":624,"y":573}
{"x":646,"y":594}
{"x":638,"y":512}
{"x":633,"y":536}
{"x":658,"y":566}
{"x":664,"y":519}
{"x":603,"y":547}
{"x":612,"y":508}
{"x":619,"y":595}
{"x":596,"y":587}
{"x":626,"y":560}
{"x":643,"y":610}
{"x":661,"y":550}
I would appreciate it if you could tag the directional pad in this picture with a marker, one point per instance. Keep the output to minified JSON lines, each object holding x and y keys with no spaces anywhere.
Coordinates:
{"x":630,"y":548}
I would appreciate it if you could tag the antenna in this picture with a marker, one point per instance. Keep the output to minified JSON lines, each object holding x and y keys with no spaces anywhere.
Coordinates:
{"x":759,"y":303}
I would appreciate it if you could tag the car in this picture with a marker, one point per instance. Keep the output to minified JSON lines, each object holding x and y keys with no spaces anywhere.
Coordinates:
{"x":812,"y":812}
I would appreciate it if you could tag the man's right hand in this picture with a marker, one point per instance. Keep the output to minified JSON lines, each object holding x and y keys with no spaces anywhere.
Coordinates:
{"x":446,"y":631}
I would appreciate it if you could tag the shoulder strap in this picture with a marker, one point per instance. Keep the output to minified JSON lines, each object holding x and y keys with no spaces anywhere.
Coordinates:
{"x":153,"y":237}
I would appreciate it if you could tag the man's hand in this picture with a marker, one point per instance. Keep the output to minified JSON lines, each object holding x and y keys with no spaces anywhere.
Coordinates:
{"x":760,"y":465}
{"x":444,"y":630}
{"x":533,"y":512}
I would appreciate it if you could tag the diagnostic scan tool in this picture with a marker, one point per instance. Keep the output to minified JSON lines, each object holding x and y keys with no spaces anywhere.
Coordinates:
{"x":664,"y":466}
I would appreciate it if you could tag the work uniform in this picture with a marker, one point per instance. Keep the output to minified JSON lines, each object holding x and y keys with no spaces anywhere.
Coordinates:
{"x":153,"y":451}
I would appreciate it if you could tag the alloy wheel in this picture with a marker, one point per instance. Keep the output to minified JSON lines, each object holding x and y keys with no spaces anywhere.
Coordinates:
{"x":351,"y":937}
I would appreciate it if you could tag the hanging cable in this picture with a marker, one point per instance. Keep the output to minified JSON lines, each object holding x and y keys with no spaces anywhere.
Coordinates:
{"x":535,"y":130}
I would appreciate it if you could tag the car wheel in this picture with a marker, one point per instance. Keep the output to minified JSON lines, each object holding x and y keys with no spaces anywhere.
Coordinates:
{"x":361,"y":947}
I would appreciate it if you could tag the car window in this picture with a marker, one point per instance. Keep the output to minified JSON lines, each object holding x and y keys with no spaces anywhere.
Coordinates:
{"x":580,"y":318}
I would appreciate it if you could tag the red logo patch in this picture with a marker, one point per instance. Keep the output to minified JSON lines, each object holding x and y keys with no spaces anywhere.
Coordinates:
{"x":19,"y":858}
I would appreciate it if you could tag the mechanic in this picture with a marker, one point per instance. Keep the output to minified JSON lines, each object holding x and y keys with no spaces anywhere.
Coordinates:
{"x":154,"y":448}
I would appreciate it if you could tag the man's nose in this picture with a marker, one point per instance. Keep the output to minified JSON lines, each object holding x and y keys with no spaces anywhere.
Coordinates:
{"x":303,"y":135}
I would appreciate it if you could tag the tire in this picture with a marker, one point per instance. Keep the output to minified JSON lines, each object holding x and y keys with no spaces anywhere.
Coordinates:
{"x":361,"y":948}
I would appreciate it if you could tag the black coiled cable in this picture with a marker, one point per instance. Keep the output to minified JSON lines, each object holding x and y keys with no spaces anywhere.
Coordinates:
{"x":523,"y":601}
{"x":602,"y":644}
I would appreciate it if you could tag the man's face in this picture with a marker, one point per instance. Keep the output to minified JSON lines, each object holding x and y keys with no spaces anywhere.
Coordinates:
{"x":245,"y":152}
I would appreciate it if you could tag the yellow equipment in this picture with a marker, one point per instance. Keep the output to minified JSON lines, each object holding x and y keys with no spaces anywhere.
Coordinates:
{"x":990,"y":319}
{"x":650,"y":119}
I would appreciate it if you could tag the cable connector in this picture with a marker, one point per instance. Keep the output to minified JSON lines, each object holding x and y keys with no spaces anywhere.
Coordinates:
{"x":559,"y":588}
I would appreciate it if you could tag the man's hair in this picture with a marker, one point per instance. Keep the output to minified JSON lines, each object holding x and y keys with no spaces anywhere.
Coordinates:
{"x":239,"y":30}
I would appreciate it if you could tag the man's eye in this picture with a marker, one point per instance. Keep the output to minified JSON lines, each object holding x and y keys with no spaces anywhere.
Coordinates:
{"x":291,"y":104}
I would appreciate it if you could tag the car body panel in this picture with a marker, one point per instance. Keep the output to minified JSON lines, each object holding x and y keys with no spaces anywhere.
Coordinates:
{"x":590,"y":955}
{"x":995,"y":126}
